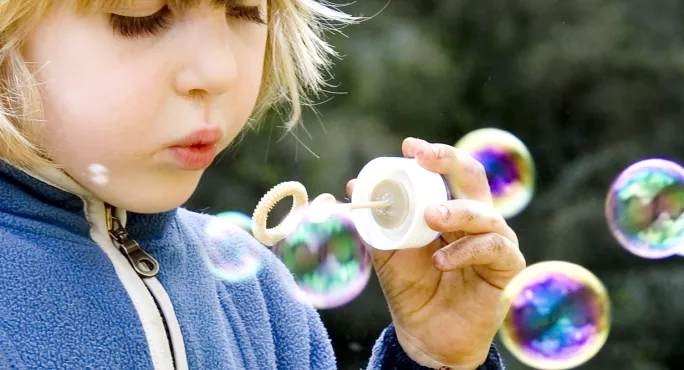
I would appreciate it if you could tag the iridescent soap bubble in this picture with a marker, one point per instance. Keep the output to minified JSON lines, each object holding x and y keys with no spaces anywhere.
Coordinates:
{"x":325,"y":254}
{"x":238,"y":218}
{"x":508,"y":164}
{"x":223,"y":258}
{"x":644,"y":208}
{"x":559,"y":316}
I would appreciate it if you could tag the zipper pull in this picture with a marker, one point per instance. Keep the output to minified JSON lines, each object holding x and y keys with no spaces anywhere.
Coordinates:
{"x":144,"y":264}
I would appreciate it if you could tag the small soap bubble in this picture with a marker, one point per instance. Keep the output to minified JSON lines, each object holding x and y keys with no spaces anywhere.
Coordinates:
{"x":330,"y":264}
{"x":355,"y":347}
{"x":644,"y":208}
{"x":223,"y":258}
{"x":320,"y":208}
{"x":559,"y":316}
{"x":99,"y":174}
{"x":508,"y":164}
{"x":238,"y":218}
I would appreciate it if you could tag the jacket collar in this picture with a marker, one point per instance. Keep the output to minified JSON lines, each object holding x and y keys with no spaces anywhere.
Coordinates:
{"x":51,"y":196}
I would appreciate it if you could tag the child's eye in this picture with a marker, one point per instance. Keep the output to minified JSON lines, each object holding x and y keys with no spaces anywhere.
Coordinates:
{"x":250,"y":13}
{"x":150,"y":25}
{"x":154,"y":24}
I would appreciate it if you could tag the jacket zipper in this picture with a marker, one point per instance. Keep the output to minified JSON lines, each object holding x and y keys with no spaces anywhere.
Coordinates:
{"x":144,"y":264}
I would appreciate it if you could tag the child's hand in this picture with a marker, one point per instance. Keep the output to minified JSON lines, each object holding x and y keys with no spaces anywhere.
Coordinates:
{"x":444,"y":297}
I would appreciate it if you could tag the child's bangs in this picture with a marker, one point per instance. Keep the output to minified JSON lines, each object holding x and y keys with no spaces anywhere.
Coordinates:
{"x":92,"y":5}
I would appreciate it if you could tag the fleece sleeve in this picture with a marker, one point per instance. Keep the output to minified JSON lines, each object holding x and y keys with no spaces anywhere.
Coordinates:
{"x":321,"y":356}
{"x":9,"y":357}
{"x":387,"y":354}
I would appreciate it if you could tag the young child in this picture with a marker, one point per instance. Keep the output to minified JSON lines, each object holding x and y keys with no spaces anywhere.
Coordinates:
{"x":111,"y":111}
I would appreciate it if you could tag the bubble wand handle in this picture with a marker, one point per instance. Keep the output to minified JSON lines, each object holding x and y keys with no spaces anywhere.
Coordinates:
{"x":271,"y":236}
{"x":370,"y":205}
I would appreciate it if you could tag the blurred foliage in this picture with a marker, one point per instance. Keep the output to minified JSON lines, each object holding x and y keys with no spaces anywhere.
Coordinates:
{"x":590,"y":86}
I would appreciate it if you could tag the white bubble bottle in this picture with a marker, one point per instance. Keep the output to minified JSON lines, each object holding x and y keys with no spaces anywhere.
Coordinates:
{"x":409,"y":189}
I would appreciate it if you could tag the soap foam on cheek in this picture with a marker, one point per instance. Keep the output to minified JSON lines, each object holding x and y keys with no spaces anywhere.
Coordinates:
{"x":99,"y":174}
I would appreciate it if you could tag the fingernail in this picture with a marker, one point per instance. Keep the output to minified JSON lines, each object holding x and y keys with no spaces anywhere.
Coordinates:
{"x":411,"y":150}
{"x":440,"y":259}
{"x":420,"y":149}
{"x":444,"y":211}
{"x":425,"y":148}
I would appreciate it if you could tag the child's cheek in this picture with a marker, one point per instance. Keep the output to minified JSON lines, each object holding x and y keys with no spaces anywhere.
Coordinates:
{"x":101,"y":110}
{"x":95,"y":98}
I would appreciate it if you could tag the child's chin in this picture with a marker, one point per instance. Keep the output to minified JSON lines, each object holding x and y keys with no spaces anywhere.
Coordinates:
{"x":149,"y":200}
{"x":152,"y":208}
{"x":154,"y":203}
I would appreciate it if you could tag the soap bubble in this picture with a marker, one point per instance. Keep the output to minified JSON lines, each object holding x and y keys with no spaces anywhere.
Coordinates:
{"x":223,"y":258}
{"x":99,"y":174}
{"x":559,"y":316}
{"x":644,"y":208}
{"x":355,"y":347}
{"x":325,"y":254}
{"x":509,"y":167}
{"x":238,"y":218}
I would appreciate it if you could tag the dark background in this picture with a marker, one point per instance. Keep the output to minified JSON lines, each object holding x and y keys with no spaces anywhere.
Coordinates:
{"x":590,"y":86}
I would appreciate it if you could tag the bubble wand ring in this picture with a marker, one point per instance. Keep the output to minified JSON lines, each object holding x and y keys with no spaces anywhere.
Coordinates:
{"x":279,"y":192}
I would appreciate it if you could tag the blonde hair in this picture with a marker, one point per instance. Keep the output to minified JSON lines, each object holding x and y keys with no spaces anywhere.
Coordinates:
{"x":296,"y":67}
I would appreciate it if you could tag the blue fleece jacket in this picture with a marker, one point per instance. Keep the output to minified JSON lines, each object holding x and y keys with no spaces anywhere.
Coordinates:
{"x":68,"y":302}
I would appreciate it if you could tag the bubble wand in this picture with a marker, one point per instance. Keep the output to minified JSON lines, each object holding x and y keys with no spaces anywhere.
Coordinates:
{"x":387,"y":204}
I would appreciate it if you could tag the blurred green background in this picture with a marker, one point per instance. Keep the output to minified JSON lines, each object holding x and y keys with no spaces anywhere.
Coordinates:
{"x":590,"y":86}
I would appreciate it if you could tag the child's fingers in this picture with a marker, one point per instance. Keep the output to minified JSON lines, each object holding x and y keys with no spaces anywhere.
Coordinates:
{"x":491,"y":250}
{"x":469,"y":216}
{"x":466,"y":176}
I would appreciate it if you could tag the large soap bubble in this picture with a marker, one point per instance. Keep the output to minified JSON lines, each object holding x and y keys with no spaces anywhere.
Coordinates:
{"x":509,"y":167}
{"x":223,"y":258}
{"x":326,"y":256}
{"x":559,"y":316}
{"x":644,"y":208}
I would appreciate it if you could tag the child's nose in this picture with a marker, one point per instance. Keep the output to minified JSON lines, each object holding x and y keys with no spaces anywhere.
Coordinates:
{"x":210,"y":66}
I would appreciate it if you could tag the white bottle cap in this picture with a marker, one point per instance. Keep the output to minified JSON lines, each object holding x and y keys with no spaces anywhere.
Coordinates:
{"x":423,"y":188}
